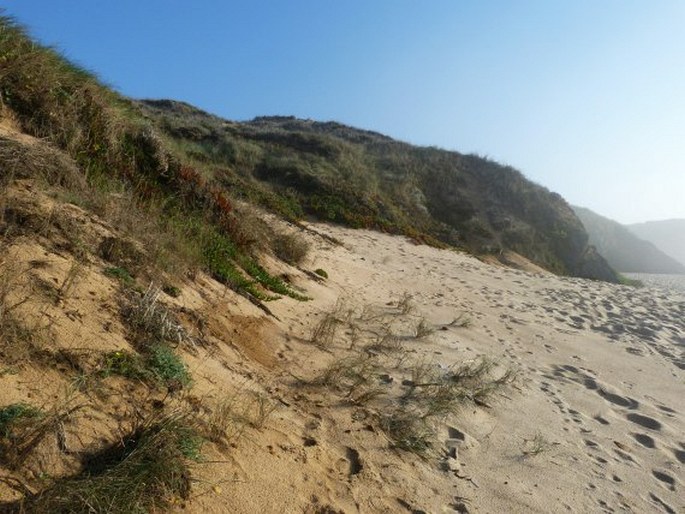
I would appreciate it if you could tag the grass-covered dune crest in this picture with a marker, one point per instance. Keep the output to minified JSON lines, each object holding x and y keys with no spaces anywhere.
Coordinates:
{"x":360,"y":178}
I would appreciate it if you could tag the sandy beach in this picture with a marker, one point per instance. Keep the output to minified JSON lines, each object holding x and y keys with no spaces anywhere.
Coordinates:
{"x":540,"y":394}
{"x":593,"y":423}
{"x":676,"y":282}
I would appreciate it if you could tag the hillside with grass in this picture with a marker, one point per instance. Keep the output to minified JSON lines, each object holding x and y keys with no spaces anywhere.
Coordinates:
{"x":359,"y":178}
{"x":624,"y":250}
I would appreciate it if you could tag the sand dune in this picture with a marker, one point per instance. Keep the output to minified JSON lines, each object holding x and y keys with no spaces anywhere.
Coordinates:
{"x":596,"y":424}
{"x":593,"y":420}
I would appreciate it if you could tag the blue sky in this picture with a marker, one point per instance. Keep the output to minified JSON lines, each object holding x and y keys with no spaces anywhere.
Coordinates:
{"x":585,"y":97}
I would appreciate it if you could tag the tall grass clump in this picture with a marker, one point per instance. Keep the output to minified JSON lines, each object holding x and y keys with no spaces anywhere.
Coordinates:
{"x":147,"y":471}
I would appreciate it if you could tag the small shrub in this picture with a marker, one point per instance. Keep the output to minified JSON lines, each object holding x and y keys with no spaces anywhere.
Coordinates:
{"x":291,"y":248}
{"x":407,"y":431}
{"x":121,"y":274}
{"x":13,"y":414}
{"x":535,"y":446}
{"x":121,"y":252}
{"x":168,"y":367}
{"x":125,"y":364}
{"x":159,"y":365}
{"x":171,"y":290}
{"x":321,"y":272}
{"x":324,"y":332}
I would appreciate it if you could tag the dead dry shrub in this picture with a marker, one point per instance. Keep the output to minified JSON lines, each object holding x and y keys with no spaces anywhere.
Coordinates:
{"x":324,"y":332}
{"x":151,"y":322}
{"x":291,"y":247}
{"x":227,"y":419}
{"x":41,"y":161}
{"x":407,"y":396}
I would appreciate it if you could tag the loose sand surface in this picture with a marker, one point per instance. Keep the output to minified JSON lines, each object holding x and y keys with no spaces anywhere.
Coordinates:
{"x":595,"y":422}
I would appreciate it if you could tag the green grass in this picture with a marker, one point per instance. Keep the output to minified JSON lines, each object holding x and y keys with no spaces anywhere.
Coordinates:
{"x":623,"y":280}
{"x":167,"y":366}
{"x":11,"y":415}
{"x":125,"y":364}
{"x":121,"y":274}
{"x":225,"y":260}
{"x":160,"y":365}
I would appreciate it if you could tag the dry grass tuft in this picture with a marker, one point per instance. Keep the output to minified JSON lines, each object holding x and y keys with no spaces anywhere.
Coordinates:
{"x":151,"y":322}
{"x":227,"y":419}
{"x":406,"y":396}
{"x":290,"y":247}
{"x":324,"y":332}
{"x":38,"y":160}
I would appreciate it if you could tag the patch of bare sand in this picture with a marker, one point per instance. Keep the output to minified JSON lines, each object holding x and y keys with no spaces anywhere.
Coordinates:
{"x":598,"y":425}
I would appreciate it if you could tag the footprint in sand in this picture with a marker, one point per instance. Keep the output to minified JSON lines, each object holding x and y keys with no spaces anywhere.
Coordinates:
{"x":644,"y":421}
{"x":664,"y":506}
{"x":599,"y":419}
{"x":645,"y":440}
{"x":586,"y":378}
{"x":625,"y":456}
{"x":680,"y":454}
{"x":665,"y":478}
{"x":355,"y":461}
{"x":669,"y":412}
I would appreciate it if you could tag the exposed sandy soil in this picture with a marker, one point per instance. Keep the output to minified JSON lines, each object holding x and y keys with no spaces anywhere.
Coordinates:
{"x":595,"y":421}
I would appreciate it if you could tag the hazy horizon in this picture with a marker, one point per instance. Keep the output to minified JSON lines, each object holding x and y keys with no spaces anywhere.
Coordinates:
{"x":584,"y":98}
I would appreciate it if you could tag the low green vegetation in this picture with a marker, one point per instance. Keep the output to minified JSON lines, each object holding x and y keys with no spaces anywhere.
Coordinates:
{"x":622,"y":279}
{"x":167,"y":367}
{"x":13,"y":414}
{"x":160,"y":365}
{"x":147,"y":471}
{"x":121,"y":274}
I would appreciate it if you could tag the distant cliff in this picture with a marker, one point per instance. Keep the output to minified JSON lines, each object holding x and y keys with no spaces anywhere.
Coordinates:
{"x":360,"y":178}
{"x":623,"y":249}
{"x":668,"y":235}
